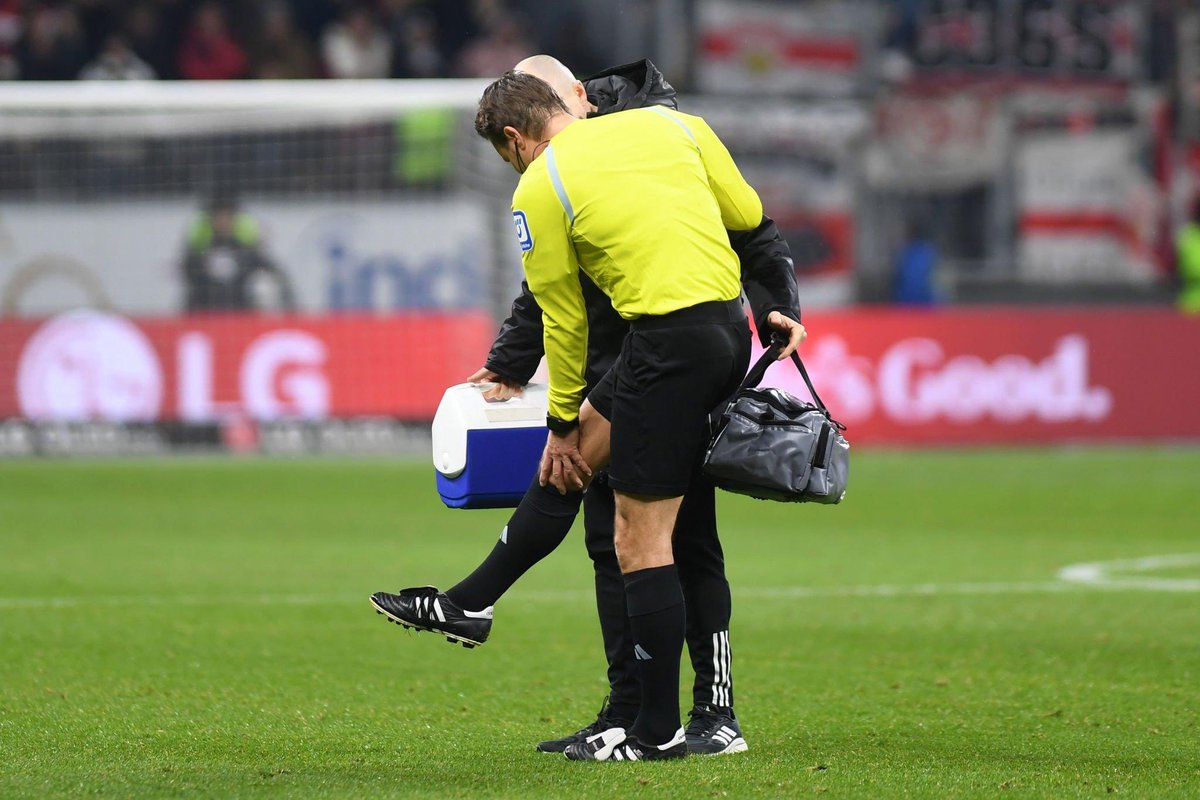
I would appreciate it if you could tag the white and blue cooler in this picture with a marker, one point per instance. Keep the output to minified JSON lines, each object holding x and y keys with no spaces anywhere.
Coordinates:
{"x":486,"y":454}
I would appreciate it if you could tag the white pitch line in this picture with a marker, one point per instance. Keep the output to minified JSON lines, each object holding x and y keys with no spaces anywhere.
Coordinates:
{"x":15,"y":603}
{"x":1114,"y":574}
{"x":908,"y":590}
{"x":1100,"y":576}
{"x":877,"y":590}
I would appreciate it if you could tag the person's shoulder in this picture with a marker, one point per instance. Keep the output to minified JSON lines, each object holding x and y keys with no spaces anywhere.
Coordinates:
{"x":684,"y":117}
{"x":629,"y":119}
{"x":675,"y":114}
{"x":690,"y":124}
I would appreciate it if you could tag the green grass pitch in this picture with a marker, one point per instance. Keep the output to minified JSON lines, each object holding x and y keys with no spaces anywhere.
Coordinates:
{"x":200,"y":628}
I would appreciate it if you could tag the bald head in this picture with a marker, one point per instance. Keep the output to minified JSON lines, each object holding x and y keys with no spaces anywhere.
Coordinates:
{"x":555,"y":73}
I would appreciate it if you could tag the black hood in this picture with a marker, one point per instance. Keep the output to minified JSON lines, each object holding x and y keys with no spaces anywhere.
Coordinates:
{"x":634,"y":85}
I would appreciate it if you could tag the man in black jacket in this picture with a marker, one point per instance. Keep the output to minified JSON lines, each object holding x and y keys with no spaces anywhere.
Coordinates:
{"x":225,"y":267}
{"x":769,"y":282}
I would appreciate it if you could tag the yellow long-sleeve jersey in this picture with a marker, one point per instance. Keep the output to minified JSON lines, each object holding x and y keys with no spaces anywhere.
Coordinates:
{"x":641,"y":201}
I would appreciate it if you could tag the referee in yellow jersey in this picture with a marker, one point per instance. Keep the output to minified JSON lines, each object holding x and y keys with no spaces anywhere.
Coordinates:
{"x":640,"y":201}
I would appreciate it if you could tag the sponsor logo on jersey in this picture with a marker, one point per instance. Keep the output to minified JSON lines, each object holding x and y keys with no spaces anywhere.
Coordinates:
{"x":523,"y":235}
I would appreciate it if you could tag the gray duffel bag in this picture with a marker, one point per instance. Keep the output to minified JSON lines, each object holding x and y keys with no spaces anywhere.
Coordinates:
{"x":770,"y":445}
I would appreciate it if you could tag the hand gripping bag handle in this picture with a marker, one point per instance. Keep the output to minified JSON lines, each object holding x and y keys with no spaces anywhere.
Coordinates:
{"x":756,"y":373}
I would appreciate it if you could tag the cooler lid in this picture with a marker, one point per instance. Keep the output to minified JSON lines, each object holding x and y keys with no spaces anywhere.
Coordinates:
{"x":463,"y":409}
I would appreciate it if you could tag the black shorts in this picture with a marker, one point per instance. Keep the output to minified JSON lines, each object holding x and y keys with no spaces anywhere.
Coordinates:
{"x":673,"y":370}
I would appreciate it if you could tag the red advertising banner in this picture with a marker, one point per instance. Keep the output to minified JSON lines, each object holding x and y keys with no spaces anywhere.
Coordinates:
{"x":92,"y":366}
{"x":962,"y":376}
{"x":1003,"y":375}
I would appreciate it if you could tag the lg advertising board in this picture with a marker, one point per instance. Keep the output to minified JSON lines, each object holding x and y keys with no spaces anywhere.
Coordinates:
{"x":87,"y":365}
{"x":893,"y":377}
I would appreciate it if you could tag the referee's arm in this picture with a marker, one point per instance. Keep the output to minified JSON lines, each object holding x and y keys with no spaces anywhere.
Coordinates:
{"x":741,"y":209}
{"x":552,"y":272}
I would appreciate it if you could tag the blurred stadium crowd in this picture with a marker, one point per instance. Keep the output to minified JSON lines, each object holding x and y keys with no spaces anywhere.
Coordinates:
{"x":238,"y":39}
{"x":276,"y":39}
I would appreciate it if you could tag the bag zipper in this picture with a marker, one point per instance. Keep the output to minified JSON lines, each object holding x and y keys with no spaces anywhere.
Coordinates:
{"x":771,"y":400}
{"x":772,"y":421}
{"x":822,"y":446}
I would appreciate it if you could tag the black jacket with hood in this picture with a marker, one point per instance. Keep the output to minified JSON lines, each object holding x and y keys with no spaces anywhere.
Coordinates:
{"x":768,"y":275}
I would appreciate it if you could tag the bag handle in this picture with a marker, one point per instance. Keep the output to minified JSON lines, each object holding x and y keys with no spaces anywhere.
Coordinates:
{"x":756,"y":373}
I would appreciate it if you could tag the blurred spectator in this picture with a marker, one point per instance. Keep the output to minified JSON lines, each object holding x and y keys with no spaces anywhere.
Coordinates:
{"x":117,"y":62}
{"x":283,"y":51}
{"x":415,"y":50}
{"x":1188,"y":246}
{"x":1161,"y":56}
{"x":481,"y":15}
{"x":224,"y":266}
{"x":455,"y":25}
{"x":900,"y":25}
{"x":490,"y":55}
{"x":312,"y":17}
{"x":916,"y":266}
{"x":356,"y":47}
{"x":154,"y":30}
{"x":209,"y":51}
{"x":53,"y":48}
{"x":10,"y":35}
{"x":97,"y":19}
{"x":901,"y":34}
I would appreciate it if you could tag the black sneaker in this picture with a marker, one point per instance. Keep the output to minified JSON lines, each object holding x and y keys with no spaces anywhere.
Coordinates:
{"x":712,"y":732}
{"x":426,"y":609}
{"x":604,"y":722}
{"x":614,"y":745}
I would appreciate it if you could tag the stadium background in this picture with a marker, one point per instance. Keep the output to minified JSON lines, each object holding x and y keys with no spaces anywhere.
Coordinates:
{"x":989,"y":204}
{"x":1000,"y":155}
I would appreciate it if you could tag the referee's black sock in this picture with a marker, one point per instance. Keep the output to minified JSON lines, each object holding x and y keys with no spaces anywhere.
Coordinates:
{"x":656,"y":614}
{"x":539,"y":525}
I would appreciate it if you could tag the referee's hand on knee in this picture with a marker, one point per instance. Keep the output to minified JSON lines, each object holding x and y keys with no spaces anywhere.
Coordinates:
{"x":563,"y":467}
